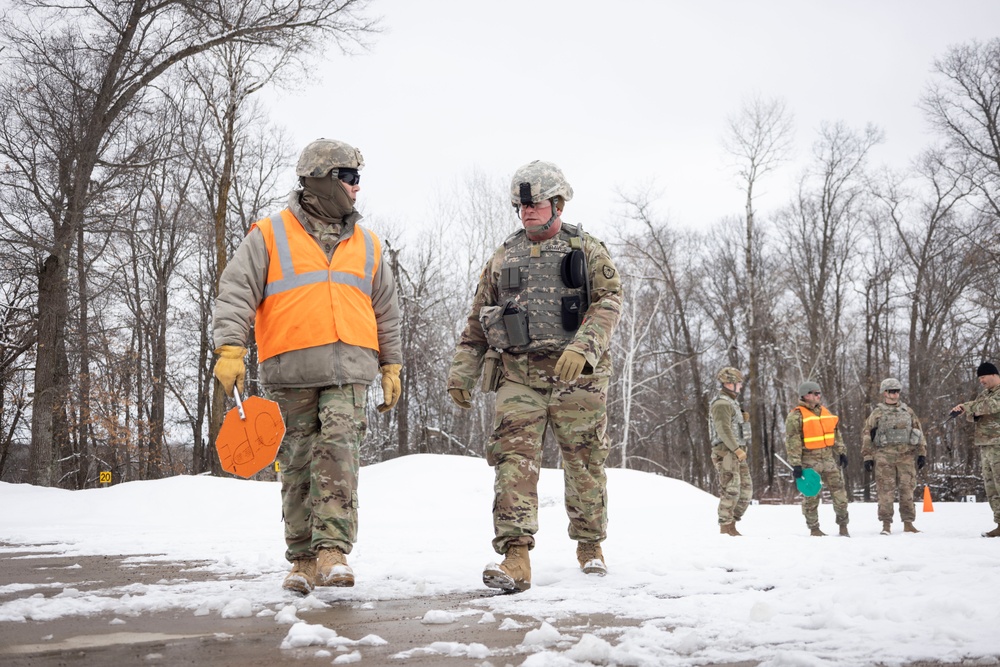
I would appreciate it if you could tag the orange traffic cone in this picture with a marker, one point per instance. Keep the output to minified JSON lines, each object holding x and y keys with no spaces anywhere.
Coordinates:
{"x":928,"y":505}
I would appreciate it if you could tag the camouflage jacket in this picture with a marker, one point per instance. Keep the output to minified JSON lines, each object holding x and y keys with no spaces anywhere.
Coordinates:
{"x":727,"y":423}
{"x":984,"y":410}
{"x":878,"y":415}
{"x":592,"y":339}
{"x":793,"y":437}
{"x":241,"y":289}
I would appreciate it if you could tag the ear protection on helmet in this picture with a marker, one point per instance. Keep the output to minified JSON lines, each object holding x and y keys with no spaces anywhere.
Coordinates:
{"x":574,"y":269}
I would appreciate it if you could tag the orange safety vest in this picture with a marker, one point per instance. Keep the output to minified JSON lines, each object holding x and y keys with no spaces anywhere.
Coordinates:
{"x":818,"y":432}
{"x":309,"y":301}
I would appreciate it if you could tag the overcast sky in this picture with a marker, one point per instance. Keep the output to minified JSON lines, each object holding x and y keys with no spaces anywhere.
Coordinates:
{"x":620,"y":94}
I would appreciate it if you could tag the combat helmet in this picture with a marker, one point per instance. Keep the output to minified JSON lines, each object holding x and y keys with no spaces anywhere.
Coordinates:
{"x":537,"y":181}
{"x":890,"y":384}
{"x":807,"y":387}
{"x":324,"y":155}
{"x":729,"y":374}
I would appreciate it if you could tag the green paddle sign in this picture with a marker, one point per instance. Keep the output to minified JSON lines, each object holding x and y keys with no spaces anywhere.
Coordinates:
{"x":810,"y":483}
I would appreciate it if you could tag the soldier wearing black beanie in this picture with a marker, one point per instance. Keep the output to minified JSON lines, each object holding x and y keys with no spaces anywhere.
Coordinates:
{"x":984,"y":411}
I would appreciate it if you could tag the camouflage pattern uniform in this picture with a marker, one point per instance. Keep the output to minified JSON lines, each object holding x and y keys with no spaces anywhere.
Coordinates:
{"x":531,"y":397}
{"x":898,"y":440}
{"x":319,"y":460}
{"x":729,"y":429}
{"x":320,"y":390}
{"x":823,"y":461}
{"x":984,"y":411}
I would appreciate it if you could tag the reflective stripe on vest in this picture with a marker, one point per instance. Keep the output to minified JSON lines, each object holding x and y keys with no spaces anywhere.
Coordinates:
{"x":311,"y":301}
{"x":818,"y":431}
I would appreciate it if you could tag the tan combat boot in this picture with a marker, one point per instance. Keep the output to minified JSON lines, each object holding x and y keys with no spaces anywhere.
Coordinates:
{"x":993,"y":533}
{"x":908,"y":527}
{"x":332,"y":568}
{"x":886,"y":528}
{"x":513,"y":574}
{"x":843,"y":531}
{"x":816,"y":532}
{"x":729,"y":529}
{"x":591,"y":558}
{"x":302,"y":578}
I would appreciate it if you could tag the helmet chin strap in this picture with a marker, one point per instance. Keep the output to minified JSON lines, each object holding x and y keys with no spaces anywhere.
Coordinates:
{"x":541,"y":230}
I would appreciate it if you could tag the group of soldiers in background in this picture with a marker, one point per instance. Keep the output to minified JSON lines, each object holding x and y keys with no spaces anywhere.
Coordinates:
{"x":893,"y":447}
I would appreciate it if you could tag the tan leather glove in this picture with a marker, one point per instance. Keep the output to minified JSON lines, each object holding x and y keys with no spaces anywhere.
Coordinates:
{"x":391,"y":387}
{"x":463,"y":397}
{"x":740,"y":455}
{"x":569,"y":366}
{"x":230,"y":369}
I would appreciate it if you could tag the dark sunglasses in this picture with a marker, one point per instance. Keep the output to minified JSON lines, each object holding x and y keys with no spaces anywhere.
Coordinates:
{"x":892,"y":391}
{"x":349,"y":176}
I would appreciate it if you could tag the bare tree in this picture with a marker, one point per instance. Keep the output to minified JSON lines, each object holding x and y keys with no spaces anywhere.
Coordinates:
{"x":760,"y":140}
{"x":670,"y":260}
{"x":963,"y":103}
{"x":17,"y":340}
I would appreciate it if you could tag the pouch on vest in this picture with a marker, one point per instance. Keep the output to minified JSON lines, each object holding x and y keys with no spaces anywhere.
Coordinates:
{"x":896,"y":436}
{"x":492,"y":371}
{"x":571,"y":315}
{"x":915,"y":435}
{"x":491,"y":317}
{"x":510,"y":278}
{"x":515,"y":320}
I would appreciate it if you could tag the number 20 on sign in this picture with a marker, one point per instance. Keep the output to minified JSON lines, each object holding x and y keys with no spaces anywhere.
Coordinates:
{"x":104,"y":477}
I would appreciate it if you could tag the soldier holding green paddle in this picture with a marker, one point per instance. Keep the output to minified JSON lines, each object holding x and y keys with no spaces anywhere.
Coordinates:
{"x":813,"y":441}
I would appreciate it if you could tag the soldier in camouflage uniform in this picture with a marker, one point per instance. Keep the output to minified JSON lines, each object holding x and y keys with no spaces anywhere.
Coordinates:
{"x":544,"y":311}
{"x":327,"y":323}
{"x":812,"y":440}
{"x":891,"y":440}
{"x":985,"y":412}
{"x":729,"y":429}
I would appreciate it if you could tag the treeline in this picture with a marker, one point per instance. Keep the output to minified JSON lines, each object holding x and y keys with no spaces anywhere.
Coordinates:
{"x":134,"y":158}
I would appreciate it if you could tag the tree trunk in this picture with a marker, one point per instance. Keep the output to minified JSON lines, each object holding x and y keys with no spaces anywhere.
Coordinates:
{"x":47,"y":427}
{"x":84,"y":449}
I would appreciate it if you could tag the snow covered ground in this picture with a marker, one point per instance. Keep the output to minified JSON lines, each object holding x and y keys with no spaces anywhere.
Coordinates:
{"x":775,"y":595}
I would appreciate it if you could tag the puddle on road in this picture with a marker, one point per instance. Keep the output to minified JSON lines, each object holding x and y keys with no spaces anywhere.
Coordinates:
{"x":97,"y":641}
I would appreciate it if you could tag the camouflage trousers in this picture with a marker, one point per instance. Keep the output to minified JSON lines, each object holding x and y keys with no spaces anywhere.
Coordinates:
{"x":735,"y":485}
{"x":319,"y":459}
{"x":823,"y":462}
{"x":989,"y":458}
{"x":890,"y":466}
{"x":577,"y":414}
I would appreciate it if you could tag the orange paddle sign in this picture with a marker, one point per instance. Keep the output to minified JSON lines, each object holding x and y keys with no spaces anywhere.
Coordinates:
{"x":250,"y":435}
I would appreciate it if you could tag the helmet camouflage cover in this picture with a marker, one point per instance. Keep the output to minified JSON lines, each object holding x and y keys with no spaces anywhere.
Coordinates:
{"x":546,"y":181}
{"x":729,"y":374}
{"x":890,"y":383}
{"x":323,"y":155}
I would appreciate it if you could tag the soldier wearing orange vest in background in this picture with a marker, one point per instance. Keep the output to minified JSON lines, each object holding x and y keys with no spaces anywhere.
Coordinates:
{"x":812,"y":440}
{"x":327,"y":323}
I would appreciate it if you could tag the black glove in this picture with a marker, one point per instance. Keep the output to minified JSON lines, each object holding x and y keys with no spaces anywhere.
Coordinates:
{"x":843,"y":460}
{"x":869,"y":466}
{"x":921,"y":462}
{"x":797,"y":472}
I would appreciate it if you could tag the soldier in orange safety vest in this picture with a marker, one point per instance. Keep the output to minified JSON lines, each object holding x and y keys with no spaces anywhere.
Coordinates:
{"x":311,"y":280}
{"x":812,"y":440}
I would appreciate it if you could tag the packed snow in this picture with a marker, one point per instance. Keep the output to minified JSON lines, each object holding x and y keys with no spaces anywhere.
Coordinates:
{"x":691,"y":596}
